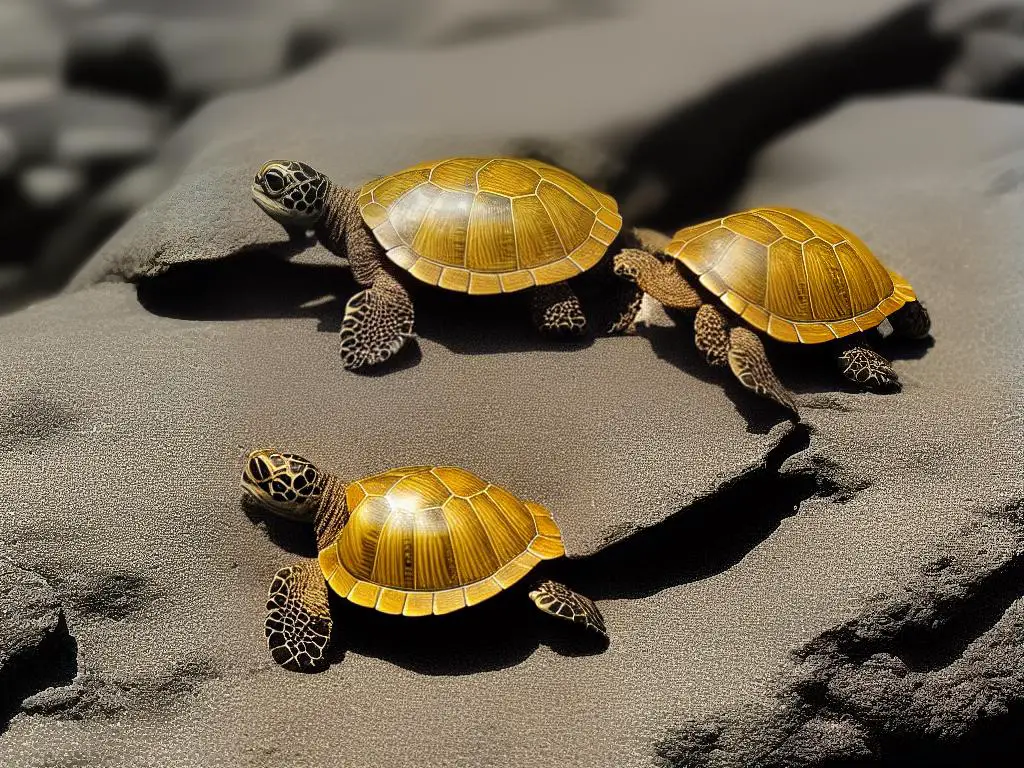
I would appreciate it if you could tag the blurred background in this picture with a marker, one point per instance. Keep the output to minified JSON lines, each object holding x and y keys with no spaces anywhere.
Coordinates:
{"x":92,"y":90}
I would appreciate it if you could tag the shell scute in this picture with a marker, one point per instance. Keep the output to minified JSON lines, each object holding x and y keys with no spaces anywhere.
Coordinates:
{"x":791,"y":274}
{"x":509,"y":223}
{"x":430,"y":540}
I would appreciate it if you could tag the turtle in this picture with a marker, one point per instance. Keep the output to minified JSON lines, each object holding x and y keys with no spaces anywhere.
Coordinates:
{"x":477,"y":225}
{"x":411,"y":541}
{"x":792,"y":275}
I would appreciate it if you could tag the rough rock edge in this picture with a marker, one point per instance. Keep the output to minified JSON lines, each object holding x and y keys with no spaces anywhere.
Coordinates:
{"x":43,"y":656}
{"x":932,"y":676}
{"x":77,"y":693}
{"x":783,"y":442}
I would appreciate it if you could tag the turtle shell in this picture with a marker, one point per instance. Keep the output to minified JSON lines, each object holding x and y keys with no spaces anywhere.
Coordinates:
{"x":432,"y":540}
{"x":489,"y":225}
{"x":791,"y":274}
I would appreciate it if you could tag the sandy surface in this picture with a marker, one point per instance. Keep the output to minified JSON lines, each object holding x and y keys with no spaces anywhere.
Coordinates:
{"x":746,"y":630}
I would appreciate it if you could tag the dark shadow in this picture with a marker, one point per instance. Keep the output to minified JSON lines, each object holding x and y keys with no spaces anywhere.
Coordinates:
{"x":689,"y":166}
{"x":705,"y":539}
{"x":935,"y":645}
{"x":804,"y":369}
{"x":130,"y":66}
{"x":813,"y":368}
{"x":260,"y":282}
{"x":701,"y":540}
{"x":496,"y":634}
{"x":676,"y":346}
{"x":255,"y":282}
{"x":995,"y":741}
{"x":52,"y":663}
{"x":484,"y":325}
{"x":290,"y":535}
{"x":905,"y":349}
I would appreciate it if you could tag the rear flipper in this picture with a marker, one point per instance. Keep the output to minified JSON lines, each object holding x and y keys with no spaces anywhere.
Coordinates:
{"x":558,"y":600}
{"x":867,"y":368}
{"x":298,"y":626}
{"x":557,"y":311}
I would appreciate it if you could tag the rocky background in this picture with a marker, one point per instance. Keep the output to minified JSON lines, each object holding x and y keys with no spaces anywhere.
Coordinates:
{"x":844,"y":591}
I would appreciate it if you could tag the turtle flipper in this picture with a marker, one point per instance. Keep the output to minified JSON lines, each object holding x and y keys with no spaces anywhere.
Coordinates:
{"x":378,"y":321}
{"x":298,"y":626}
{"x":558,"y":600}
{"x":744,"y":353}
{"x":660,"y":279}
{"x":711,"y":334}
{"x":749,"y":364}
{"x":866,"y":367}
{"x":557,"y":311}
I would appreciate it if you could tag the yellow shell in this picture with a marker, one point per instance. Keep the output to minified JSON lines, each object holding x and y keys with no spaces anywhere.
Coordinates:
{"x":489,"y":224}
{"x":791,"y":274}
{"x":432,"y":540}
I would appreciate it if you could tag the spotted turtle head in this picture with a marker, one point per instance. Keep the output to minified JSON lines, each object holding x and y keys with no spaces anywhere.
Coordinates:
{"x":285,"y":483}
{"x":292,"y":193}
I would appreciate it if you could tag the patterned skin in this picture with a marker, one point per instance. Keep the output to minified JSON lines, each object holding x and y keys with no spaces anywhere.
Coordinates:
{"x":414,"y":541}
{"x":473,"y":225}
{"x":786,"y":273}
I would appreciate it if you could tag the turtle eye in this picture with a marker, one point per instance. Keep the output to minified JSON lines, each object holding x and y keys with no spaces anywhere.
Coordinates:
{"x":258,"y":470}
{"x":273,"y":181}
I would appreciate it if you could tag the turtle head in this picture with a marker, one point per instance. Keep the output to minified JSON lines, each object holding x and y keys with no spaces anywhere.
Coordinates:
{"x":284,"y":483}
{"x":291,"y":193}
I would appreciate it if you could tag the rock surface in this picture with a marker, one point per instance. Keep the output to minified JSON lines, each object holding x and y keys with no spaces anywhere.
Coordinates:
{"x":925,"y":518}
{"x":838,"y":592}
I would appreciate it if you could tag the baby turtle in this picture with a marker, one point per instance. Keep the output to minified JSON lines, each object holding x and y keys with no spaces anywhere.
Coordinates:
{"x":414,"y":541}
{"x":790,"y":274}
{"x":485,"y":225}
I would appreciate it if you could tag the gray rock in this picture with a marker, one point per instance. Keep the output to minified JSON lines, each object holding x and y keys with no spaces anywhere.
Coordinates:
{"x":744,"y":630}
{"x":365,"y":112}
{"x":51,"y":186}
{"x":930,"y":666}
{"x":185,"y":576}
{"x":30,"y":42}
{"x":28,"y":106}
{"x":93,"y":129}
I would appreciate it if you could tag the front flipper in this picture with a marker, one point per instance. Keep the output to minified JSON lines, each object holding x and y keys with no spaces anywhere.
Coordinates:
{"x":558,"y":600}
{"x":868,"y":368}
{"x":298,"y":626}
{"x":557,"y":311}
{"x":378,"y":321}
{"x":660,"y":279}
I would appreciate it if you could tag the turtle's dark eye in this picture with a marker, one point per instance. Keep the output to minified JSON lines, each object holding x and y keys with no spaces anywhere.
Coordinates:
{"x":257,"y":470}
{"x":273,"y":181}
